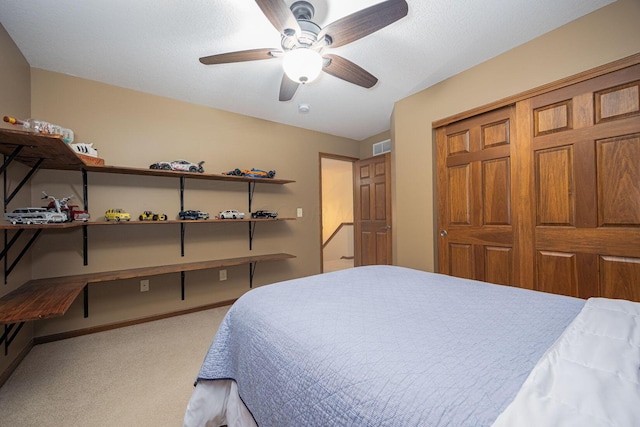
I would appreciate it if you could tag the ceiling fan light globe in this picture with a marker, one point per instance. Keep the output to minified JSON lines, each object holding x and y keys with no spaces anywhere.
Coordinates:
{"x":302,"y":65}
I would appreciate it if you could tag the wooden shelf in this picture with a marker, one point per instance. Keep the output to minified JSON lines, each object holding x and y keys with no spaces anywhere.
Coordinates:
{"x":187,"y":221}
{"x":51,"y":297}
{"x":56,"y":154}
{"x":5,"y":225}
{"x":77,"y":224}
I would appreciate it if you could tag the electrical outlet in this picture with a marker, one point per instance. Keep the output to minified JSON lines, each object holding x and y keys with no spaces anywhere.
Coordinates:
{"x":144,"y":285}
{"x":223,"y":275}
{"x":299,"y":212}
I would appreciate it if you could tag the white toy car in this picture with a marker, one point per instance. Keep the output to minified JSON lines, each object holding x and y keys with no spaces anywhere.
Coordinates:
{"x":231,"y":214}
{"x":34,"y":216}
{"x":179,"y":165}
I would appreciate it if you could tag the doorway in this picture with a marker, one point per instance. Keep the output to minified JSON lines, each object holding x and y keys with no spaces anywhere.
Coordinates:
{"x":336,"y":212}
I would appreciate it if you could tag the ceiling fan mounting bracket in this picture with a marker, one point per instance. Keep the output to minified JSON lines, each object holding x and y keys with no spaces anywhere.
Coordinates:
{"x":302,"y":10}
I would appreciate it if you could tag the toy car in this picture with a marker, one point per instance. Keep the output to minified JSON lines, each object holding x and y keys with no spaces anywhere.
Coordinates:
{"x":231,"y":214}
{"x":193,"y":214}
{"x":257,"y":173}
{"x":166,"y":166}
{"x":179,"y":165}
{"x":253,"y":173}
{"x":150,"y":216}
{"x":263,"y":214}
{"x":76,"y":214}
{"x":234,"y":172}
{"x":116,"y":215}
{"x":34,"y":216}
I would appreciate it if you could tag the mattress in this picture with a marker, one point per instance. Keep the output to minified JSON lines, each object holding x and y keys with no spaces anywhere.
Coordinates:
{"x":377,"y":346}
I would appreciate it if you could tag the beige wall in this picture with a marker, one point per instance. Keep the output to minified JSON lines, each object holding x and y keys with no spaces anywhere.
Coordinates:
{"x":603,"y":36}
{"x":134,"y":129}
{"x":14,"y":101}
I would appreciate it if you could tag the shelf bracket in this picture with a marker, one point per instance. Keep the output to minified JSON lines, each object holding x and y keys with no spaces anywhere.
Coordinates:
{"x":21,"y":254}
{"x":85,"y":245}
{"x":252,"y":270}
{"x":8,"y":337}
{"x":85,"y":231}
{"x":11,"y":242}
{"x":252,"y":230}
{"x":252,"y":188}
{"x":252,"y":225}
{"x":7,"y":246}
{"x":85,"y":300}
{"x":182,"y":180}
{"x":11,"y":158}
{"x":182,"y":239}
{"x":182,"y":193}
{"x":182,"y":285}
{"x":23,"y":182}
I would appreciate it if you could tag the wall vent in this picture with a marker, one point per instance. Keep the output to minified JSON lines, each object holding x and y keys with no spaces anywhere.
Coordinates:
{"x":382,"y":147}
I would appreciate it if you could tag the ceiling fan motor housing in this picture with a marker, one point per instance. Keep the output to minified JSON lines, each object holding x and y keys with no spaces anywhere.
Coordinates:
{"x":303,"y":12}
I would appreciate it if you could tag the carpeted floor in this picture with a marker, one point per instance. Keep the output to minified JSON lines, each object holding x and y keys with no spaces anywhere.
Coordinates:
{"x":138,"y":376}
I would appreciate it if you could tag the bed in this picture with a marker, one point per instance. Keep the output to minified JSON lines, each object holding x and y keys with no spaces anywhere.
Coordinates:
{"x":391,"y":346}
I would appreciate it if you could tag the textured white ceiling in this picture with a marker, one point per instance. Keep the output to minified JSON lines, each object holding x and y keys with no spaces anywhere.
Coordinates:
{"x":153,"y":46}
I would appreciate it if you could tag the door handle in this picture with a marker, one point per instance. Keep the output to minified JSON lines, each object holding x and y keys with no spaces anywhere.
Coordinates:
{"x":387,"y":227}
{"x":443,"y":233}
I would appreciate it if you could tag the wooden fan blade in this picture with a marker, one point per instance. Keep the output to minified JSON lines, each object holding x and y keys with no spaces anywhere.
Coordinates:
{"x":364,"y":22}
{"x":241,"y":56}
{"x":348,"y":71}
{"x":280,"y":16}
{"x":288,"y":88}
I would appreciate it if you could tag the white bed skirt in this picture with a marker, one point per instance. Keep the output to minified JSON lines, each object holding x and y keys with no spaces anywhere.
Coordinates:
{"x":217,"y":403}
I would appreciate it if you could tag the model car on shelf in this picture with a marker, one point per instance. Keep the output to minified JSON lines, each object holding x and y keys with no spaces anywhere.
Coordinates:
{"x":73,"y":212}
{"x":151,"y":216}
{"x":263,"y":214}
{"x":117,"y":215}
{"x":77,"y":214}
{"x":179,"y":165}
{"x":193,"y":215}
{"x":34,"y":216}
{"x":231,"y":214}
{"x":253,"y":173}
{"x":56,"y":211}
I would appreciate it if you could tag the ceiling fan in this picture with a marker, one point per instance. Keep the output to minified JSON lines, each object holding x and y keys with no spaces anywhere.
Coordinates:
{"x":303,"y":42}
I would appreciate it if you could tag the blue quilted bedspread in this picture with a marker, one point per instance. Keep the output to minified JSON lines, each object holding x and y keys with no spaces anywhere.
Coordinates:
{"x":384,"y":346}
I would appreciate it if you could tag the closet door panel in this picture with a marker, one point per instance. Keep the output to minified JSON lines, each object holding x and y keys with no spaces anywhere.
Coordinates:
{"x":586,"y":160}
{"x":498,"y":265}
{"x":554,"y":186}
{"x":557,"y":273}
{"x":496,"y":190}
{"x":619,"y":181}
{"x":474,"y":203}
{"x":460,"y":194}
{"x":620,"y":277}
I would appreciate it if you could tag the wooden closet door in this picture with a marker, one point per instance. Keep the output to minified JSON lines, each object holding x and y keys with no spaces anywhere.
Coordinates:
{"x":583,"y":145}
{"x":474,"y":197}
{"x":372,"y":225}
